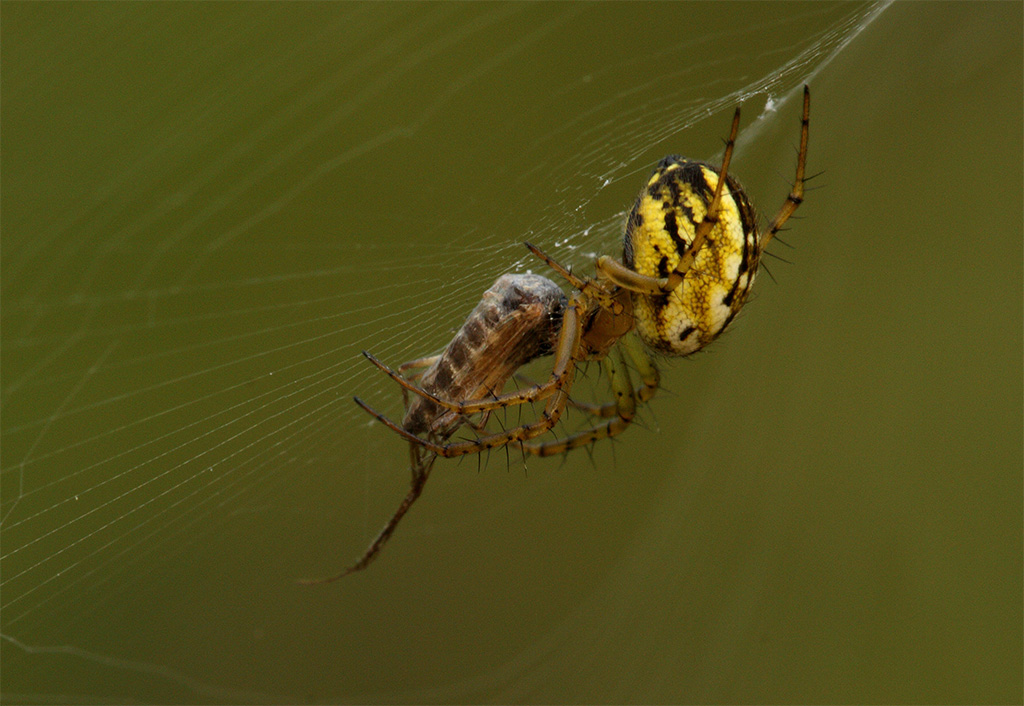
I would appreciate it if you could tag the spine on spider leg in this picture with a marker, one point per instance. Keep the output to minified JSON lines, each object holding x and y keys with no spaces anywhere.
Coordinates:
{"x":517,"y":320}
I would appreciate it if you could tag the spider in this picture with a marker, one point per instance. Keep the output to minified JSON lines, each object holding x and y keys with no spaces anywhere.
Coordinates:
{"x":691,"y":252}
{"x":690,"y":255}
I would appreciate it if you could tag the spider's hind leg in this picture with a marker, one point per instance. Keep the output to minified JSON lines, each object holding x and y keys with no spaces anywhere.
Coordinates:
{"x":796,"y":194}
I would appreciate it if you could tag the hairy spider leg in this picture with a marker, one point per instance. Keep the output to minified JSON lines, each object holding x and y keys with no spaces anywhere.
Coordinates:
{"x":614,"y":271}
{"x":796,"y":195}
{"x":623,"y":409}
{"x":556,"y":390}
{"x":590,"y":288}
{"x":421,"y":465}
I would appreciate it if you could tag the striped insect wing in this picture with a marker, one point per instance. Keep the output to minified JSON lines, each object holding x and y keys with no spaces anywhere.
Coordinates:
{"x":517,"y":320}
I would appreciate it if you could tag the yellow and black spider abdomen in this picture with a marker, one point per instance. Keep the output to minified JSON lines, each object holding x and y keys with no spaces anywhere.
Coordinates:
{"x":660,"y":229}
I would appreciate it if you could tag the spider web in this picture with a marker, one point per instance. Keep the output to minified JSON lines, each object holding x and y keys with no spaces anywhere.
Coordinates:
{"x":183,"y":310}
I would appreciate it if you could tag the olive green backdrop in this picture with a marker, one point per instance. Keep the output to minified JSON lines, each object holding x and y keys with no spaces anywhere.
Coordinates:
{"x":208,"y":210}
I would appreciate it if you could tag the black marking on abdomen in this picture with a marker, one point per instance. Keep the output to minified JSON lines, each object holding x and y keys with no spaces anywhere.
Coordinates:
{"x":727,"y":299}
{"x":692,"y":173}
{"x":663,"y":268}
{"x":672,"y":228}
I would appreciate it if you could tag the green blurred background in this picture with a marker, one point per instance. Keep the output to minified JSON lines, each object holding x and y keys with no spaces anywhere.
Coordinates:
{"x":208,"y":210}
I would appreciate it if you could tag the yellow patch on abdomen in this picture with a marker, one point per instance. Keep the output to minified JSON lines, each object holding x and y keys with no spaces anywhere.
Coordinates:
{"x":661,"y":227}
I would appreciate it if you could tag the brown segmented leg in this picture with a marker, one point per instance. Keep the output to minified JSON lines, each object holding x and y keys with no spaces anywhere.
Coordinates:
{"x":556,"y":390}
{"x":710,"y":220}
{"x":623,"y":409}
{"x":796,"y":195}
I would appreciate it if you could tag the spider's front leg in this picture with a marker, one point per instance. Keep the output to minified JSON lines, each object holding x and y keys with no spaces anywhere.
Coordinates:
{"x":556,"y":391}
{"x":518,"y":319}
{"x":796,"y":194}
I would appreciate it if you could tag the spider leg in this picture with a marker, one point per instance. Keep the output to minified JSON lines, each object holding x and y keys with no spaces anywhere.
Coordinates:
{"x":614,"y":271}
{"x":580,"y":283}
{"x":421,"y":468}
{"x":556,"y":390}
{"x":710,"y":220}
{"x":624,"y":407}
{"x":645,"y":366}
{"x":598,"y":410}
{"x":538,"y":392}
{"x":589,"y":287}
{"x":796,"y":195}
